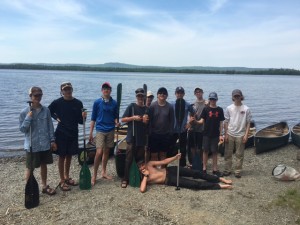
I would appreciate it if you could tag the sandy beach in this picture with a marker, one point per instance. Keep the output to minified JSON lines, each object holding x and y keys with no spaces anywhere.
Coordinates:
{"x":252,"y":200}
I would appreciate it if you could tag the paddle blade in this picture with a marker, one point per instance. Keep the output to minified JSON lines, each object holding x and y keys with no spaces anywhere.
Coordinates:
{"x":32,"y":195}
{"x":134,"y":175}
{"x":85,"y":178}
{"x":145,"y":91}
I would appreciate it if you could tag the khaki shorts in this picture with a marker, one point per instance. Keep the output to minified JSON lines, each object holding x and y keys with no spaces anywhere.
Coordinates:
{"x":38,"y":158}
{"x":105,"y":140}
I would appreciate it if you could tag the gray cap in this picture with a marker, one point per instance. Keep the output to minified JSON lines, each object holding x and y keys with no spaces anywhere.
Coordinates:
{"x":237,"y":92}
{"x":213,"y":95}
{"x":179,"y":89}
{"x":139,"y":91}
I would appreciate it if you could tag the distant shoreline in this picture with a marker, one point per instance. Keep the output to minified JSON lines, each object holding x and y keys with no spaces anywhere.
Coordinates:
{"x":150,"y":69}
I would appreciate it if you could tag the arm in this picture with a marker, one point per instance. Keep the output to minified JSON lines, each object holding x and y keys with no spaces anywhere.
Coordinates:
{"x":245,"y":138}
{"x":165,"y":161}
{"x":51,"y":132}
{"x":91,"y":131}
{"x":143,"y":187}
{"x":225,"y":131}
{"x":25,"y":121}
{"x":221,"y":130}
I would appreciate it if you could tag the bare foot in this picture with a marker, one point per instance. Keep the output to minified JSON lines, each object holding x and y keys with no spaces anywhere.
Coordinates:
{"x":225,"y":181}
{"x":93,"y":181}
{"x":225,"y":186}
{"x":105,"y":176}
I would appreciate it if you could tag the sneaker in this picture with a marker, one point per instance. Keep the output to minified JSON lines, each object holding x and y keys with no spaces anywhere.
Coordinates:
{"x":218,"y":173}
{"x":226,"y":173}
{"x":237,"y":175}
{"x":204,"y":171}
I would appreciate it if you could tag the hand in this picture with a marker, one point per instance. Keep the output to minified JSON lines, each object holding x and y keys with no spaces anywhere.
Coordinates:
{"x":145,"y":118}
{"x":221,"y":139}
{"x":29,"y":114}
{"x":84,"y":115}
{"x":188,"y":126}
{"x":178,"y":156}
{"x":117,"y":124}
{"x":226,"y":137}
{"x":91,"y":138}
{"x":53,"y":146}
{"x":145,"y":172}
{"x":245,"y":138}
{"x":192,"y":119}
{"x":137,"y":118}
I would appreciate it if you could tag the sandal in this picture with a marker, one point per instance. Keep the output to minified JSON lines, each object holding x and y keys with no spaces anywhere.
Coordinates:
{"x":124,"y":184}
{"x":71,"y":182}
{"x":64,"y":186}
{"x":48,"y":190}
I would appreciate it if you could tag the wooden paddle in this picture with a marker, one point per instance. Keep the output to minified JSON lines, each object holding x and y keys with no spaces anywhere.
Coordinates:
{"x":32,"y":196}
{"x":179,"y":114}
{"x":85,"y":173}
{"x":146,"y":125}
{"x":134,"y":173}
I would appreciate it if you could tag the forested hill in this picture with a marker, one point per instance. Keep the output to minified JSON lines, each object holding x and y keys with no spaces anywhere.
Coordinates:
{"x":121,"y":67}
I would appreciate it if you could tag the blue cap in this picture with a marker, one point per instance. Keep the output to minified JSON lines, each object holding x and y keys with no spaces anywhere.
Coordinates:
{"x":213,"y":95}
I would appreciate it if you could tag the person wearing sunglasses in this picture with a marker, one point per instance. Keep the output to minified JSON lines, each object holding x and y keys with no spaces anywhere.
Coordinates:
{"x":67,"y":111}
{"x":37,"y":118}
{"x":236,"y":126}
{"x":161,"y":120}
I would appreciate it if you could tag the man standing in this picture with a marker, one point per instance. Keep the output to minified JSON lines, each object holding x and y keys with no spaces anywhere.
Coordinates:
{"x":37,"y":118}
{"x":104,"y":115}
{"x":237,"y":126}
{"x":180,"y":130}
{"x":134,"y":116}
{"x":195,"y":136}
{"x":161,"y":115}
{"x":67,"y":110}
{"x":150,"y":98}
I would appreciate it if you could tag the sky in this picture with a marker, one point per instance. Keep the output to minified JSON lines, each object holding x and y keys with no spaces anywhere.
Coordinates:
{"x":223,"y":33}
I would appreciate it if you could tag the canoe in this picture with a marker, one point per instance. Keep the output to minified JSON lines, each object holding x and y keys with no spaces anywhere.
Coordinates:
{"x":249,"y":143}
{"x":120,"y":156}
{"x":295,"y":134}
{"x":271,"y":137}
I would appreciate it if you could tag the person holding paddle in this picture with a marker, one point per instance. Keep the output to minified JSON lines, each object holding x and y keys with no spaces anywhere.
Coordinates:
{"x":36,"y":124}
{"x":134,"y":116}
{"x":67,"y":111}
{"x":105,"y":117}
{"x":161,"y":119}
{"x":157,"y":172}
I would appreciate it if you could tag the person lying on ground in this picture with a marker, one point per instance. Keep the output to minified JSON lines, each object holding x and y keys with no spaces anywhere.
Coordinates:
{"x":156,"y":172}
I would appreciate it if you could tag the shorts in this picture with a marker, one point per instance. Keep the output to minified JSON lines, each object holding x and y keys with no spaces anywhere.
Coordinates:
{"x":160,"y":142}
{"x":105,"y":140}
{"x":66,"y":146}
{"x":38,"y":158}
{"x":210,"y":144}
{"x":195,"y":139}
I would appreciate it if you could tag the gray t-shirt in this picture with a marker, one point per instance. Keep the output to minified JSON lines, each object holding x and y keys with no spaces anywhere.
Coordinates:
{"x":198,"y":107}
{"x":161,"y":118}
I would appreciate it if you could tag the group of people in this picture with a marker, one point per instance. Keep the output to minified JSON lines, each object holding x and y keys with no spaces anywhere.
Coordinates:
{"x":154,"y":128}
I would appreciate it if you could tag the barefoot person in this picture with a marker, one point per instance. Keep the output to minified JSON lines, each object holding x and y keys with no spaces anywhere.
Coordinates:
{"x":134,"y":115}
{"x":104,"y":115}
{"x":38,"y":117}
{"x":67,"y":110}
{"x":156,"y":172}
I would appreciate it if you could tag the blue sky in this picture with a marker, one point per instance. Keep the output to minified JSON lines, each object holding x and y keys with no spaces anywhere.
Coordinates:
{"x":250,"y":33}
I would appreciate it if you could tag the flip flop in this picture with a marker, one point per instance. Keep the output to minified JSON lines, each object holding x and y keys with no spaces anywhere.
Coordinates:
{"x":71,"y":182}
{"x":64,"y":186}
{"x":49,"y":191}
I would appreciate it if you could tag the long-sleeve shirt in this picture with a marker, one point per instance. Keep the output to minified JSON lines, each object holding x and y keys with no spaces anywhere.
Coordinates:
{"x":181,"y":126}
{"x":41,"y":128}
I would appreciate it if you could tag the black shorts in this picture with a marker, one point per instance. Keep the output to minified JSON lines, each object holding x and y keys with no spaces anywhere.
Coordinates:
{"x":38,"y":158}
{"x":160,"y":142}
{"x":210,"y":144}
{"x":66,"y":146}
{"x":195,"y":139}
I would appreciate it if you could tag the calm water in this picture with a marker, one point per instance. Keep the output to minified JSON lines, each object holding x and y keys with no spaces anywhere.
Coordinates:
{"x":271,"y":98}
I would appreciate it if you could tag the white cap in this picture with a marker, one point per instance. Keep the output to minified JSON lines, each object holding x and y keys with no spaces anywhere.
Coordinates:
{"x":149,"y":93}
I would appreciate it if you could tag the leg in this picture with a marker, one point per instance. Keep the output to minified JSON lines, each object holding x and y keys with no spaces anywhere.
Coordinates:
{"x":27,"y":174}
{"x":240,"y":147}
{"x":128,"y":161}
{"x":215,"y":161}
{"x":99,"y":153}
{"x":205,"y":159}
{"x":67,"y":166}
{"x":61,"y":167}
{"x":104,"y":164}
{"x":44,"y":175}
{"x":228,"y":155}
{"x":206,"y":148}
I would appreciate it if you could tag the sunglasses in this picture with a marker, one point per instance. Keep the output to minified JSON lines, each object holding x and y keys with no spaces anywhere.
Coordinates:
{"x":237,"y":96}
{"x":106,"y":89}
{"x":37,"y":95}
{"x":162,"y":93}
{"x":212,"y":99}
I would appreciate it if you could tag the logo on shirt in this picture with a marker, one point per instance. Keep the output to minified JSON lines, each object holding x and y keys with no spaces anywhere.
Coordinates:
{"x":211,"y":114}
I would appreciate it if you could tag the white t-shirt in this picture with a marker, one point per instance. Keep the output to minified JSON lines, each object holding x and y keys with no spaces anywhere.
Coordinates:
{"x":237,"y":118}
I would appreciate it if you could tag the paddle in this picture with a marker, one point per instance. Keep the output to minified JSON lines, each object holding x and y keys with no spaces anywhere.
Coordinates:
{"x":32,"y":196}
{"x":119,"y":97}
{"x":134,"y":173}
{"x":85,"y":173}
{"x":145,"y":91}
{"x":146,"y":125}
{"x":179,"y":114}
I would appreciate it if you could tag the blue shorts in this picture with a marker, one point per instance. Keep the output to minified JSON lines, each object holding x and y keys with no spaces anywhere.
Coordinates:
{"x":210,"y":144}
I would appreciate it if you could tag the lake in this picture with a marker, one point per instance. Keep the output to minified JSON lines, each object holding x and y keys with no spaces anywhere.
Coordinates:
{"x":271,"y":98}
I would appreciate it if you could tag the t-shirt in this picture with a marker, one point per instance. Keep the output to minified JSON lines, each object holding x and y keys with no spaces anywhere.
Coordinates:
{"x":212,"y":117}
{"x":237,"y":118}
{"x":139,"y":126}
{"x":104,"y":114}
{"x":177,"y":126}
{"x":198,"y":107}
{"x":161,"y":118}
{"x":69,"y":112}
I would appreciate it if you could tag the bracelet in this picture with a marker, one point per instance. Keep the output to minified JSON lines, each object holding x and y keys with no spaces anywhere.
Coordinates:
{"x":146,"y":175}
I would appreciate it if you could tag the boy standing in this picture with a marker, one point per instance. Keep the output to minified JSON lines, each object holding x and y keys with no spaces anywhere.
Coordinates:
{"x":67,"y":110}
{"x":38,"y":119}
{"x":237,"y":126}
{"x":104,"y":115}
{"x":213,"y":116}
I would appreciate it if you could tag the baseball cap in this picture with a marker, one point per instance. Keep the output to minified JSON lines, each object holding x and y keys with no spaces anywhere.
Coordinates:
{"x":237,"y":92}
{"x":179,"y":89}
{"x":198,"y":89}
{"x":162,"y":90}
{"x":65,"y":85}
{"x":150,"y":94}
{"x":213,"y":95}
{"x":106,"y":85}
{"x":35,"y":90}
{"x":139,"y":91}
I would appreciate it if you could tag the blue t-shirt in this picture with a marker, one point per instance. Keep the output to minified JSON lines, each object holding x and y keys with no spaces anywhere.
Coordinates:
{"x":104,"y":114}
